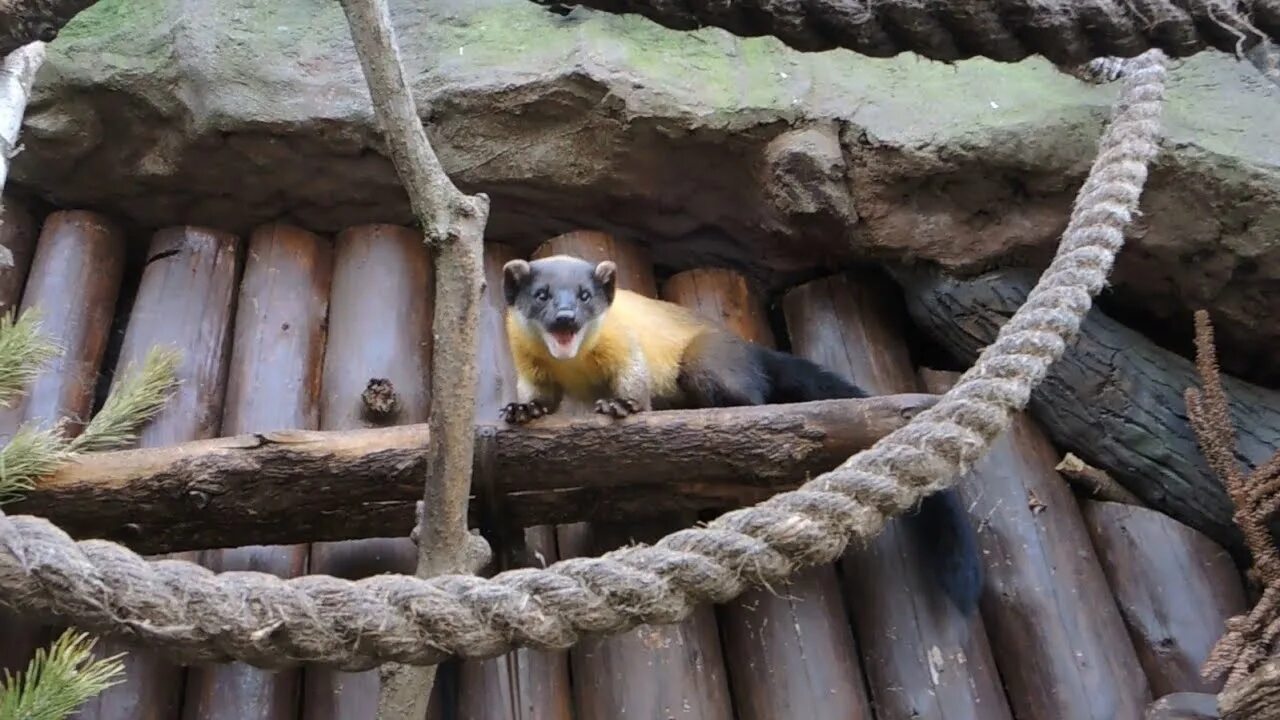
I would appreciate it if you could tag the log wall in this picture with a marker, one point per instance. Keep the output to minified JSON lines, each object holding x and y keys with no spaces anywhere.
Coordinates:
{"x":1090,"y":609}
{"x":922,"y":658}
{"x":673,"y":671}
{"x":379,"y":327}
{"x":186,"y":299}
{"x":790,"y":651}
{"x":525,"y":684}
{"x":273,"y":384}
{"x":76,"y":308}
{"x":1123,"y":411}
{"x":1059,"y":639}
{"x":1175,"y":589}
{"x":18,"y":233}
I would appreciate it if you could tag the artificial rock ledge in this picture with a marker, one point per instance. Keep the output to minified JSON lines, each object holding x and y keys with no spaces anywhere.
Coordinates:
{"x":234,"y":112}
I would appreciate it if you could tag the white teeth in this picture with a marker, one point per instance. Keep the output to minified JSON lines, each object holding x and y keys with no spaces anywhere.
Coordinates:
{"x":562,"y":350}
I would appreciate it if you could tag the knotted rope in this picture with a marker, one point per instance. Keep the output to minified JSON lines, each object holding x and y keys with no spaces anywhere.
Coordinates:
{"x":266,"y":621}
{"x":1066,"y":32}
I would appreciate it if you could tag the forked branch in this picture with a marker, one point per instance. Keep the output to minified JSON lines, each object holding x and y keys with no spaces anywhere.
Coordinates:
{"x":453,"y":225}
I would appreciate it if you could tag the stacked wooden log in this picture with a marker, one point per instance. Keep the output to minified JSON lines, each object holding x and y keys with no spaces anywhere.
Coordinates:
{"x":1091,"y":608}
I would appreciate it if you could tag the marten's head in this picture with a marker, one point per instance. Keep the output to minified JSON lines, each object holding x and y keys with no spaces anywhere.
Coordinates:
{"x":560,"y":299}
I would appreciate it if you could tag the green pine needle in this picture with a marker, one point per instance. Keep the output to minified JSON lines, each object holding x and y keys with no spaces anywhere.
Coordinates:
{"x":58,"y":680}
{"x":30,"y":454}
{"x":24,"y":352}
{"x":136,"y":397}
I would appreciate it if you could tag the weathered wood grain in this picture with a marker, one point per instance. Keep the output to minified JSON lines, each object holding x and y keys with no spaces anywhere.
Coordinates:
{"x":18,"y":234}
{"x":1114,"y":398}
{"x":379,"y":327}
{"x":652,"y":671}
{"x":186,"y":299}
{"x":789,"y":650}
{"x":922,"y":658}
{"x":295,"y":486}
{"x":1175,"y":588}
{"x":1056,"y":632}
{"x":76,"y":306}
{"x":273,"y":382}
{"x":524,"y":684}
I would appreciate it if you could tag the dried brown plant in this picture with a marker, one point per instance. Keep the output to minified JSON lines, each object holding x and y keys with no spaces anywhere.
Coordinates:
{"x":1249,"y":639}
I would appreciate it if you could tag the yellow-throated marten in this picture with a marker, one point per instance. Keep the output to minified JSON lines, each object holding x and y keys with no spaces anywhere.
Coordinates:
{"x":574,"y":334}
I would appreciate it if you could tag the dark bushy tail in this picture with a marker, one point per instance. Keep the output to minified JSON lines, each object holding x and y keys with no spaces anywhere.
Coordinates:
{"x":941,"y":524}
{"x":949,"y":542}
{"x":793,"y":379}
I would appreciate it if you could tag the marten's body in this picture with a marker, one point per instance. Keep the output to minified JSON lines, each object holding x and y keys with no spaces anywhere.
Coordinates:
{"x":574,"y":334}
{"x":659,"y":330}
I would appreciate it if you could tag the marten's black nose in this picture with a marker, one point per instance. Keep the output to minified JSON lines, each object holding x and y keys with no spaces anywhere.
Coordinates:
{"x":565,"y":320}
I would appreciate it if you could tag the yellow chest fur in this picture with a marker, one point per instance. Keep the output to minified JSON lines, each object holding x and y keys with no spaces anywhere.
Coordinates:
{"x":660,"y":330}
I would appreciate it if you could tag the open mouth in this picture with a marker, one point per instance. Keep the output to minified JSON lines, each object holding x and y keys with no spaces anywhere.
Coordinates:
{"x":563,"y":343}
{"x":564,"y":338}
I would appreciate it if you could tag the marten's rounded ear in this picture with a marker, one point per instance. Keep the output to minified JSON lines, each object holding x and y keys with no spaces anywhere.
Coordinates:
{"x":607,"y":276}
{"x":514,"y":275}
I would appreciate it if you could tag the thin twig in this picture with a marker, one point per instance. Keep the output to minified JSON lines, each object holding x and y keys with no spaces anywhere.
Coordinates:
{"x":453,"y":224}
{"x":1094,"y":482}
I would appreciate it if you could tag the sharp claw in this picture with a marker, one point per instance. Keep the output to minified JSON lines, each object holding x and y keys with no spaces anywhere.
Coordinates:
{"x":520,"y":413}
{"x":617,"y":407}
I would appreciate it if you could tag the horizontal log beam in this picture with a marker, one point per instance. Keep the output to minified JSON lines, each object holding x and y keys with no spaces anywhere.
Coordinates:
{"x":302,"y":486}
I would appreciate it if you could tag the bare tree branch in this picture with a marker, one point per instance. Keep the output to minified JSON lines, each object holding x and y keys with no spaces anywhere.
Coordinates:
{"x":453,"y":225}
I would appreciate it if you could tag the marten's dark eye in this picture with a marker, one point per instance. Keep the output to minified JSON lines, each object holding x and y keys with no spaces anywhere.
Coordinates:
{"x":584,"y":295}
{"x":542,"y":294}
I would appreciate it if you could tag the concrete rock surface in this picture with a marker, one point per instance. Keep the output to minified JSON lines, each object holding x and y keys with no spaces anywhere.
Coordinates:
{"x":710,"y":148}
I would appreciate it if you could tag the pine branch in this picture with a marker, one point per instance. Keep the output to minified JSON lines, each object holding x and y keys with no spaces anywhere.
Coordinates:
{"x":31,"y":454}
{"x":58,"y":680}
{"x":136,"y":397}
{"x":24,"y":353}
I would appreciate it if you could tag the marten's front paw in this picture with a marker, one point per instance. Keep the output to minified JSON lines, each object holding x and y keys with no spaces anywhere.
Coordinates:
{"x":617,"y":407}
{"x":521,"y":413}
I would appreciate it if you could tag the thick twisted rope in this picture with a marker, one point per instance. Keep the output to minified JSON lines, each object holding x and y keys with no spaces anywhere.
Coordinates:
{"x":260,"y":619}
{"x":1066,"y":32}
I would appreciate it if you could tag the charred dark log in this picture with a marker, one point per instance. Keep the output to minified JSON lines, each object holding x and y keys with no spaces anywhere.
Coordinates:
{"x":1115,"y":398}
